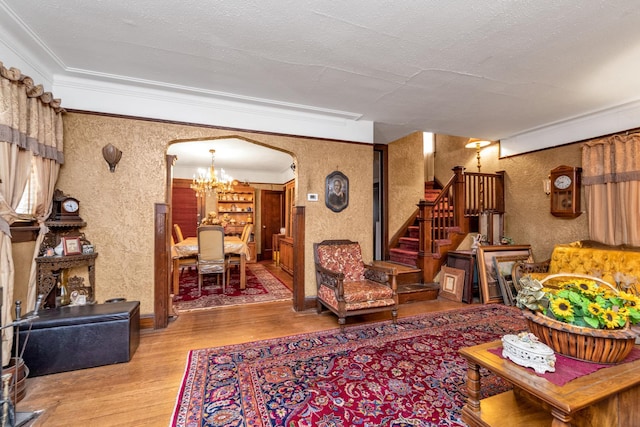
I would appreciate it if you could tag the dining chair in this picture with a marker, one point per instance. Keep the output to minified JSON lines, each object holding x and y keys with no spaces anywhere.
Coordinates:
{"x":178,"y":232}
{"x":234,"y":259}
{"x":211,"y":258}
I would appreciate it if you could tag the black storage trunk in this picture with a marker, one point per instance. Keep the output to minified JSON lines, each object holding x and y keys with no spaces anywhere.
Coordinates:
{"x":69,"y":338}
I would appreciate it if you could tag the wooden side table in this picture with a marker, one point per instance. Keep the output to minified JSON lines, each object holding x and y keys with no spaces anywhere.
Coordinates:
{"x":607,"y":397}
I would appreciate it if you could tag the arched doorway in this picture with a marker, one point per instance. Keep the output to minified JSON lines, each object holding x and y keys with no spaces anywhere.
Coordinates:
{"x":273,"y":167}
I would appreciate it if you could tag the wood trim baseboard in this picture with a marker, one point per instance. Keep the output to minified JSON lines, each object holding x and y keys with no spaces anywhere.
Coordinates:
{"x":147,"y":321}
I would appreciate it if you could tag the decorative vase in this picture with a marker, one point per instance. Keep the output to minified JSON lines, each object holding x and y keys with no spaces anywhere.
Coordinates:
{"x":591,"y":345}
{"x":58,"y":249}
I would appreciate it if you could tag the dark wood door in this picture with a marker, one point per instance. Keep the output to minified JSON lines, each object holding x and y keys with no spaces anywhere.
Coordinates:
{"x":184,"y":207}
{"x":272,"y":219}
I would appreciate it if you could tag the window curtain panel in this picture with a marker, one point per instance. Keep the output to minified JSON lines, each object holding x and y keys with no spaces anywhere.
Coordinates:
{"x":611,"y":176}
{"x":30,"y":131}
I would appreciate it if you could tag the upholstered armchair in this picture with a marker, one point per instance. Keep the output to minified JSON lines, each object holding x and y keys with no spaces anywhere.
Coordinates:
{"x":347,"y":286}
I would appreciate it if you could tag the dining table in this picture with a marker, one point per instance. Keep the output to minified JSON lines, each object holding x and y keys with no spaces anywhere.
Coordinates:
{"x":188,"y":248}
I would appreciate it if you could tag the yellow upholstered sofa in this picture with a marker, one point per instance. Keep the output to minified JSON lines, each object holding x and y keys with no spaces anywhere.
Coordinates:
{"x":613,"y":264}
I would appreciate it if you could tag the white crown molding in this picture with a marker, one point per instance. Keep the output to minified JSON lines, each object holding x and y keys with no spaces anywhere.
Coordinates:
{"x":615,"y":119}
{"x":118,"y":98}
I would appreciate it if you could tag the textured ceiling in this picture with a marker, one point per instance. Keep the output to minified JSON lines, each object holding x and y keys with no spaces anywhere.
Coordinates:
{"x":489,"y":69}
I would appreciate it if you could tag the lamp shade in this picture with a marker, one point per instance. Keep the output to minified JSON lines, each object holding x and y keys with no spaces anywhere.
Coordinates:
{"x":477,"y":143}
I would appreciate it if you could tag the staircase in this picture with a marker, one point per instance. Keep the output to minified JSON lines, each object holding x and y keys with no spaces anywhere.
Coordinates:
{"x":442,"y":221}
{"x":404,"y":258}
{"x":406,"y":251}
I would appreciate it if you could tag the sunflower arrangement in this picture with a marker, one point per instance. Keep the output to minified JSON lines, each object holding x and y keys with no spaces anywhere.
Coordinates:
{"x":580,"y":302}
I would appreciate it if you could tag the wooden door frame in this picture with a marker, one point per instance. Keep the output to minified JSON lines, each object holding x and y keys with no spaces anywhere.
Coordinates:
{"x":384,"y":198}
{"x":162,"y":249}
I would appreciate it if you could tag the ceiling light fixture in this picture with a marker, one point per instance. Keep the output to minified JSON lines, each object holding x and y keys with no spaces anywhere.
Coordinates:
{"x":477,"y":144}
{"x":207,"y":181}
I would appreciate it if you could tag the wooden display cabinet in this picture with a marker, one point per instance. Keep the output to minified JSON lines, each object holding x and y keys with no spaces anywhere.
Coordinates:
{"x":239,"y":206}
{"x":286,"y":254}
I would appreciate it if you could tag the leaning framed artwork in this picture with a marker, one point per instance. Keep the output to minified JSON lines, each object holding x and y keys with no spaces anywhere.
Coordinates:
{"x":451,"y":283}
{"x":490,"y":291}
{"x":336,"y":191}
{"x":503,"y":266}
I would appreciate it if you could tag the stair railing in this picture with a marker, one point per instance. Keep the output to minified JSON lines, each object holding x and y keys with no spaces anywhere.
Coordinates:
{"x":465,"y":195}
{"x":483,"y":192}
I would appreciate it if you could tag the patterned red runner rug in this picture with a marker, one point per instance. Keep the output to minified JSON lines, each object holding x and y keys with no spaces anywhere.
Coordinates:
{"x":370,"y":375}
{"x":262,"y":286}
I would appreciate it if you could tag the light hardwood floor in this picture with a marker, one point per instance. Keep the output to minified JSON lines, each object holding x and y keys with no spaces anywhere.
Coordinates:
{"x":143,"y":392}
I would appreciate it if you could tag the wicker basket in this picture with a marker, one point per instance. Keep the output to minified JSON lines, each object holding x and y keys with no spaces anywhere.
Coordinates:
{"x":589,"y":344}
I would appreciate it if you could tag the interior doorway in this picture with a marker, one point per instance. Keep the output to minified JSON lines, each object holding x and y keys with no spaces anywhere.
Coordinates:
{"x":264,"y":223}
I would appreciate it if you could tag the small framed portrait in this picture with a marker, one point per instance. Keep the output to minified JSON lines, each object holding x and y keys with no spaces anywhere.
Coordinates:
{"x":71,"y":246}
{"x":451,"y":283}
{"x":336,"y":191}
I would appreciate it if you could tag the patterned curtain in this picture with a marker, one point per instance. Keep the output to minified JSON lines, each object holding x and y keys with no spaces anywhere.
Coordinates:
{"x":611,"y":175}
{"x":30,"y":131}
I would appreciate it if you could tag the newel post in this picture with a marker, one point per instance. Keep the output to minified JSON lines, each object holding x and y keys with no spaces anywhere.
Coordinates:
{"x":459,"y":201}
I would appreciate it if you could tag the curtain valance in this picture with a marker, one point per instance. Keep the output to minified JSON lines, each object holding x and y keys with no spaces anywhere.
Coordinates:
{"x":611,"y":159}
{"x":29,"y":116}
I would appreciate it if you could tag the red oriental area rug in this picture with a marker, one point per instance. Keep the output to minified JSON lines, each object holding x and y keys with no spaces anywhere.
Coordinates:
{"x":262,"y":286}
{"x":371,"y":375}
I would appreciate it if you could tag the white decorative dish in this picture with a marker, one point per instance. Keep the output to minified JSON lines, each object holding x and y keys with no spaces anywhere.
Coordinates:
{"x":524,"y":349}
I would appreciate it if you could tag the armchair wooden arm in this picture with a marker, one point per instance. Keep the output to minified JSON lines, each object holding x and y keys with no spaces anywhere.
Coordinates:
{"x":381,"y":274}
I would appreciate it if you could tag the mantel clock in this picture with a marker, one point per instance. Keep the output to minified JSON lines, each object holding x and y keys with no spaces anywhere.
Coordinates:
{"x":565,"y":191}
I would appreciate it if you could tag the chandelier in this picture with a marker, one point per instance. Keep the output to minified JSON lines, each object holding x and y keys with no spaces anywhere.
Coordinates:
{"x":207,"y":181}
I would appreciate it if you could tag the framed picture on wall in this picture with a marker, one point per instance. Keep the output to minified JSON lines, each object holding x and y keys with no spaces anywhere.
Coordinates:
{"x":490,"y":291}
{"x":336,"y":191}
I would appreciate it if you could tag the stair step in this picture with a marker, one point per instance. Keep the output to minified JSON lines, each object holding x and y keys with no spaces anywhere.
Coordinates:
{"x":409,"y":243}
{"x":431,"y":195}
{"x":410,"y":292}
{"x":403,"y":256}
{"x":406,"y":273}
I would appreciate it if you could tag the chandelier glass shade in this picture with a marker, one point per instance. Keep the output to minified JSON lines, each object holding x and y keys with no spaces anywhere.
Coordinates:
{"x":207,"y":182}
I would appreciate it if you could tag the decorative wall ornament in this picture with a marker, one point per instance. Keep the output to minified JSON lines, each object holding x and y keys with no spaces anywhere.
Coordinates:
{"x":112,"y":155}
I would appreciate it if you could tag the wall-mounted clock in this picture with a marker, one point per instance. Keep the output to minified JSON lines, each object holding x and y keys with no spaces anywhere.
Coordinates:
{"x":565,"y":191}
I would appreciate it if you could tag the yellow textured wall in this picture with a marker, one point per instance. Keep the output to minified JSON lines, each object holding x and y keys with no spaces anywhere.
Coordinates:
{"x":118,"y":207}
{"x":406,"y":179}
{"x":527,"y":219}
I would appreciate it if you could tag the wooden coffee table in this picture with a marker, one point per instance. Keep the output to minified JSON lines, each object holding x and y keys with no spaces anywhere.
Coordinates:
{"x":607,"y":397}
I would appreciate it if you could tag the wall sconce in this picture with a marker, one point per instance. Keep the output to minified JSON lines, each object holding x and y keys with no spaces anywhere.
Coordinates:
{"x":546,"y":185}
{"x":112,"y":155}
{"x":477,"y":144}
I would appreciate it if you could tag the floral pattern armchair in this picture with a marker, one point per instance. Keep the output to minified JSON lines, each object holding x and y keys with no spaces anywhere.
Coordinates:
{"x":347,"y":286}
